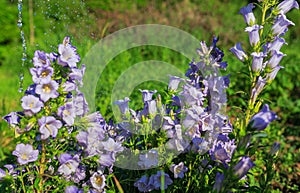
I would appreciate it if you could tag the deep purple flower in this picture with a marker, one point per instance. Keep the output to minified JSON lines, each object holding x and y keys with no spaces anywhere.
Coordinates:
{"x":68,"y":164}
{"x":147,"y":94}
{"x":219,"y":182}
{"x":257,"y":61}
{"x":98,"y":181}
{"x":67,"y":113}
{"x":280,"y":25}
{"x":242,"y":168}
{"x":40,"y":59}
{"x":263,"y":118}
{"x":286,"y":5}
{"x":144,"y":185}
{"x":77,"y":74}
{"x":123,"y":105}
{"x":73,"y":189}
{"x":253,"y":34}
{"x":174,"y":82}
{"x":31,"y":105}
{"x":157,"y":180}
{"x":49,"y":126}
{"x":276,"y":57}
{"x":25,"y":153}
{"x":271,"y":75}
{"x":248,"y":14}
{"x":68,"y":55}
{"x":47,"y":91}
{"x":222,"y":151}
{"x":238,"y":51}
{"x":178,"y":170}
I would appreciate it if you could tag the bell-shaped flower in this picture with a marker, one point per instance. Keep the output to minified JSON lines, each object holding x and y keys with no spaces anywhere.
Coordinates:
{"x":49,"y":126}
{"x":286,"y":5}
{"x":68,"y":164}
{"x":13,"y":118}
{"x":144,"y":184}
{"x":259,"y":86}
{"x":281,"y":25}
{"x":150,"y":159}
{"x":68,"y":55}
{"x":47,"y":91}
{"x":98,"y":181}
{"x":147,"y":94}
{"x":276,"y":44}
{"x":40,"y":59}
{"x":275,"y":59}
{"x":238,"y":51}
{"x":77,"y":74}
{"x":271,"y":75}
{"x":174,"y":82}
{"x":123,"y":105}
{"x":31,"y":105}
{"x":242,"y":167}
{"x":178,"y":170}
{"x":248,"y":14}
{"x":25,"y":153}
{"x":262,"y":119}
{"x":257,"y":61}
{"x":80,"y":104}
{"x":107,"y":159}
{"x":67,"y":113}
{"x":73,"y":189}
{"x":41,"y":75}
{"x":112,"y":146}
{"x":218,"y":182}
{"x":253,"y":34}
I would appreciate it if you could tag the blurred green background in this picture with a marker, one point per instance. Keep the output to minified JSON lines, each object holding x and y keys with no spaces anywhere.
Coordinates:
{"x":45,"y":23}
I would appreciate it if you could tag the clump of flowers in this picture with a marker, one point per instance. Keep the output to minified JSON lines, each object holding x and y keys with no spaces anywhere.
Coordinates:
{"x":182,"y":143}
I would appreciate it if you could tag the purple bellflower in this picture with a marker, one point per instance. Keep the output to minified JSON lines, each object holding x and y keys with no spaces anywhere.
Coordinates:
{"x":276,"y":44}
{"x":73,"y":189}
{"x":262,"y":119}
{"x":254,"y":34}
{"x":41,"y":75}
{"x":174,"y":82}
{"x":178,"y":170}
{"x":149,"y":159}
{"x":248,"y":14}
{"x":123,"y":105}
{"x":2,"y":174}
{"x":77,"y":74}
{"x":219,"y":182}
{"x":157,"y":180}
{"x":49,"y":126}
{"x":69,"y":164}
{"x":280,"y":25}
{"x":271,"y":75}
{"x":238,"y":51}
{"x":13,"y":118}
{"x":144,"y":185}
{"x":276,"y":57}
{"x":68,"y":55}
{"x":98,"y":181}
{"x":67,"y":113}
{"x":286,"y":5}
{"x":242,"y":168}
{"x":25,"y":153}
{"x":147,"y":94}
{"x":257,"y":62}
{"x":40,"y":59}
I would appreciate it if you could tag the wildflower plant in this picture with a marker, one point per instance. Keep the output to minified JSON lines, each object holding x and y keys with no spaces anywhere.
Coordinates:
{"x":181,"y":142}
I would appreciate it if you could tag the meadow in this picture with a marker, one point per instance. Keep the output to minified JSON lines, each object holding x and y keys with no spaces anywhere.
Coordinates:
{"x":89,"y":21}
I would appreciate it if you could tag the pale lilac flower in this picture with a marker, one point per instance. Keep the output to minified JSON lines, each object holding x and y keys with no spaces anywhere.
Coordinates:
{"x":41,"y":75}
{"x":276,"y":44}
{"x":147,"y":94}
{"x":219,"y":182}
{"x":49,"y":126}
{"x":73,"y":189}
{"x":107,"y":159}
{"x":79,"y":174}
{"x":77,"y":74}
{"x":257,"y":61}
{"x":150,"y":108}
{"x":248,"y":14}
{"x":191,"y":95}
{"x":238,"y":51}
{"x":271,"y":75}
{"x":47,"y":91}
{"x":80,"y":104}
{"x":123,"y":105}
{"x":31,"y":104}
{"x":157,"y":180}
{"x":25,"y":153}
{"x":68,"y":164}
{"x":280,"y":25}
{"x":67,"y":113}
{"x":178,"y":170}
{"x":98,"y":181}
{"x":143,"y":184}
{"x":149,"y":159}
{"x":68,"y":55}
{"x":40,"y":59}
{"x":262,"y":119}
{"x":112,"y":146}
{"x":259,"y":86}
{"x":174,"y":82}
{"x":242,"y":168}
{"x":2,"y":174}
{"x":13,"y":118}
{"x":69,"y":86}
{"x":52,"y":56}
{"x":253,"y":34}
{"x":275,"y":59}
{"x":286,"y":5}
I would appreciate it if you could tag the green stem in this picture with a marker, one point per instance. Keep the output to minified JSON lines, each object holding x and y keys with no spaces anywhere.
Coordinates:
{"x":42,"y":166}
